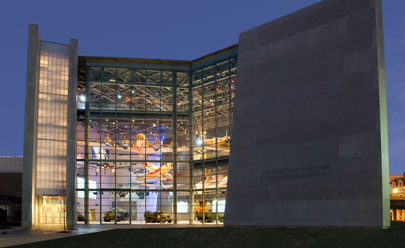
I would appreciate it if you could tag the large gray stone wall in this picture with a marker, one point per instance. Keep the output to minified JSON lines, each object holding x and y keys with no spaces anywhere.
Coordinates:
{"x":309,"y":139}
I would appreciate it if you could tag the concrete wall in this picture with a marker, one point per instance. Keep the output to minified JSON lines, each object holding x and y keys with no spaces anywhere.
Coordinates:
{"x":30,"y":126}
{"x":309,"y":139}
{"x":71,"y":216}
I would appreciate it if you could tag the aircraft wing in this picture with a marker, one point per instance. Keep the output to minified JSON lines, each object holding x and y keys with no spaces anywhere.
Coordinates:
{"x":149,"y":166}
{"x":148,"y":184}
{"x":167,"y":176}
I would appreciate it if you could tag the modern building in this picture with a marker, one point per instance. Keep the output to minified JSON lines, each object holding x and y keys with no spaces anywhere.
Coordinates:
{"x":10,"y":190}
{"x":121,"y":140}
{"x":144,"y":135}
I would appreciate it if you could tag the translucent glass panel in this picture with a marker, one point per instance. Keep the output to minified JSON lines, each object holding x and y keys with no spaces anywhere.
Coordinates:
{"x":52,"y":118}
{"x":54,"y":68}
{"x":51,"y":166}
{"x":52,"y":114}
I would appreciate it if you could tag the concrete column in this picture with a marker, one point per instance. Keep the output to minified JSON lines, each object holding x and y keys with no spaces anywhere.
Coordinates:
{"x":379,"y":43}
{"x":71,"y":137}
{"x":30,"y":127}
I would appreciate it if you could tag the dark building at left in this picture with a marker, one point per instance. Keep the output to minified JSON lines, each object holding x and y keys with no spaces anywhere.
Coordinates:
{"x":10,"y":190}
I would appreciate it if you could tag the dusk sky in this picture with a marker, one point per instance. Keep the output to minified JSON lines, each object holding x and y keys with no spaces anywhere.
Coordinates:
{"x":165,"y":30}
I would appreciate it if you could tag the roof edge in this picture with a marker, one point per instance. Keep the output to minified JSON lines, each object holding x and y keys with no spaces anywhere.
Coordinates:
{"x":152,"y":61}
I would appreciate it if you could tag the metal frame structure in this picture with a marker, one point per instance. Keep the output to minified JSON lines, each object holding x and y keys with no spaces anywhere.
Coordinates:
{"x":114,"y":94}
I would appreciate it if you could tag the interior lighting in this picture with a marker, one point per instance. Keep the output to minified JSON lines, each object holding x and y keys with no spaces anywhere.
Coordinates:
{"x":119,"y":96}
{"x":199,"y":141}
{"x":395,"y":191}
{"x":82,"y":98}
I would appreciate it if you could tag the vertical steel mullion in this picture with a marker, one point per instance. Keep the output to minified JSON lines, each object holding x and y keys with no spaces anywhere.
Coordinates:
{"x":130,"y":151}
{"x":100,"y":171}
{"x":144,"y":145}
{"x":203,"y":145}
{"x":230,"y":99}
{"x":115,"y":149}
{"x":191,"y":150}
{"x":160,"y":147}
{"x":174,"y":123}
{"x":101,"y":192}
{"x":86,"y":153}
{"x":100,"y":163}
{"x":216,"y":143}
{"x":230,"y":108}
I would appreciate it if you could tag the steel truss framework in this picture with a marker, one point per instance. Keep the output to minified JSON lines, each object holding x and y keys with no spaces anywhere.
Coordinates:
{"x":151,"y":139}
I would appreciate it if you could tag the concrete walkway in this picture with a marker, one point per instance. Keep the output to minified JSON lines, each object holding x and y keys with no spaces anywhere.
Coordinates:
{"x":19,"y":236}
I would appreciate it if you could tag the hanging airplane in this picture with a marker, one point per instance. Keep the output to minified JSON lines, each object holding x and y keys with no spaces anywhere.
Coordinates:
{"x":108,"y":140}
{"x":156,"y":172}
{"x":125,"y":142}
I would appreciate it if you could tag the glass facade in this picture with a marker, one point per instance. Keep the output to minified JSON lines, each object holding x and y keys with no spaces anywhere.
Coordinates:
{"x":153,"y":141}
{"x":52,"y":119}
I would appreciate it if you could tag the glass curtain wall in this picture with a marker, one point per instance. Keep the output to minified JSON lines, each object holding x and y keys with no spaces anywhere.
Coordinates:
{"x":213,"y":88}
{"x":153,"y":145}
{"x":132,"y":144}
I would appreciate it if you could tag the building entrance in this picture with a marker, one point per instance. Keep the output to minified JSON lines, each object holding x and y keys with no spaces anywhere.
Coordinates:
{"x":51,"y":210}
